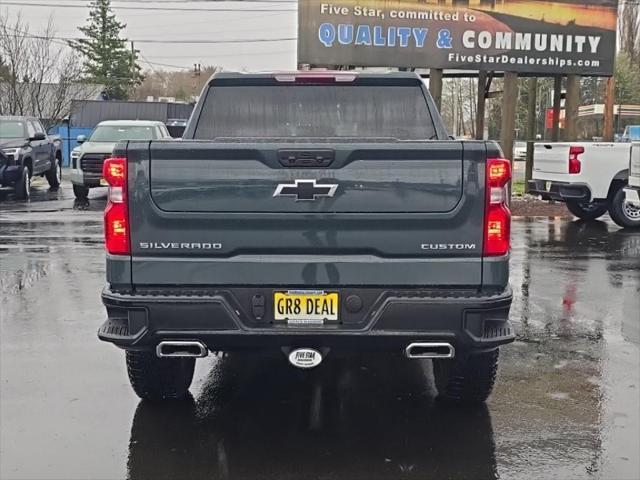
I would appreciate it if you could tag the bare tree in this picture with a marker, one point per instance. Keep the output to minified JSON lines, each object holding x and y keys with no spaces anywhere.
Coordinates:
{"x":42,"y":73}
{"x":459,"y":100}
{"x":182,"y":85}
{"x":629,"y":30}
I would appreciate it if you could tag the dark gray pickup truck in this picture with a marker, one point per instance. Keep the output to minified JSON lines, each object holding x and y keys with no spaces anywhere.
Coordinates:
{"x":27,"y":151}
{"x":313,"y":213}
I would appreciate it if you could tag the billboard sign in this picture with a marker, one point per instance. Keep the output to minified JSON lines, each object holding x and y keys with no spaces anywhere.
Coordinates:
{"x":526,"y":36}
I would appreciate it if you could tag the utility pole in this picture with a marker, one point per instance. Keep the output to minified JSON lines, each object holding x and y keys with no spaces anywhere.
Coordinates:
{"x":509,"y":103}
{"x":531,"y":129}
{"x":480,"y":109}
{"x":132,"y":69}
{"x":571,"y":104}
{"x":609,"y":100}
{"x":435,"y":86}
{"x":557,"y":98}
{"x":197,"y":70}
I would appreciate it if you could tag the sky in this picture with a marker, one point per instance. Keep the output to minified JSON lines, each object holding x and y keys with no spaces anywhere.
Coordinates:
{"x":146,"y":21}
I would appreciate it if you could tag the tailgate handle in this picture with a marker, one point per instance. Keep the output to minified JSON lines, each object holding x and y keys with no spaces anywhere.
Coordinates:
{"x":316,"y":158}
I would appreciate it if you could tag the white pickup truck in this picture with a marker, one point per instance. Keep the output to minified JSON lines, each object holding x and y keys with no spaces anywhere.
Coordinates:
{"x":589,"y":177}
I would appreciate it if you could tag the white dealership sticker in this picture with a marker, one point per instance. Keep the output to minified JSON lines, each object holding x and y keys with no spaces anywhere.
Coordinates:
{"x":305,"y":358}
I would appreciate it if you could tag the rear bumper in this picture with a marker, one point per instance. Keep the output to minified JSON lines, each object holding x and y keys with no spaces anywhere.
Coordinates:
{"x":230,"y":319}
{"x":560,"y":191}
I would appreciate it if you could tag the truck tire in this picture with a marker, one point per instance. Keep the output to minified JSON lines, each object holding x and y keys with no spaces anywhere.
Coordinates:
{"x":81,"y":192}
{"x":155,"y":379}
{"x":23,"y":184}
{"x":466,"y":380}
{"x":54,"y":174}
{"x":587,"y":211}
{"x":625,"y":215}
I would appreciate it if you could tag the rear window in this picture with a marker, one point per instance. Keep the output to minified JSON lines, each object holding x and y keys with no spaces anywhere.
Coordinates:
{"x":316,"y":111}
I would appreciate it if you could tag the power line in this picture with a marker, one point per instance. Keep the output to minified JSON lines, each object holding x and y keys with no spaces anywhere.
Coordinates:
{"x":235,"y":54}
{"x":172,"y":42}
{"x":165,"y":9}
{"x":208,"y":42}
{"x":161,"y":64}
{"x":227,"y":21}
{"x":63,"y":41}
{"x":150,"y":2}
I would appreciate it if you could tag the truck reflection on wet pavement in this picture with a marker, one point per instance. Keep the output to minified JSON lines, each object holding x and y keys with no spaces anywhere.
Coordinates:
{"x":566,"y":404}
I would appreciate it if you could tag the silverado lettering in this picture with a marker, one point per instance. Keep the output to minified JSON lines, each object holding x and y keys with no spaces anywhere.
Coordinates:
{"x":176,"y":245}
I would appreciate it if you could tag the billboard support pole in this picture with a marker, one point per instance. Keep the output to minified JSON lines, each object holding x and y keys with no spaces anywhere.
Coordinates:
{"x":509,"y":102}
{"x":480,"y":110}
{"x":531,"y":129}
{"x":435,"y":86}
{"x":557,"y":98}
{"x":609,"y":100}
{"x":571,"y":108}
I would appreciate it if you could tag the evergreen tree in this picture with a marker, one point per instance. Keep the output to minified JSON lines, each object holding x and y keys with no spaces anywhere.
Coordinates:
{"x":107,"y":59}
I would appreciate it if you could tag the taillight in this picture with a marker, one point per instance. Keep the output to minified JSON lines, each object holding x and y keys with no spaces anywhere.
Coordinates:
{"x":574,"y":162}
{"x":497,"y":218}
{"x":116,"y":214}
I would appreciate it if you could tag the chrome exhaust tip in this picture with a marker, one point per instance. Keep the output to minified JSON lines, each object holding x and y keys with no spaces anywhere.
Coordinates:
{"x":179,"y":348}
{"x":429,"y":350}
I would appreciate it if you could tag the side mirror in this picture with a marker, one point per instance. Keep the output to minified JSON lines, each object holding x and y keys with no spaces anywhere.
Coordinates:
{"x":38,"y":136}
{"x":81,"y":138}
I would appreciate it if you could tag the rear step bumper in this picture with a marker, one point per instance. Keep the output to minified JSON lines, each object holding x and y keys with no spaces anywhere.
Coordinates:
{"x":388,"y":320}
{"x":560,"y":191}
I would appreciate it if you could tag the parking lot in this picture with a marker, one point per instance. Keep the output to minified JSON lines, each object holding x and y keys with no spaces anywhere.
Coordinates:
{"x":566,"y":404}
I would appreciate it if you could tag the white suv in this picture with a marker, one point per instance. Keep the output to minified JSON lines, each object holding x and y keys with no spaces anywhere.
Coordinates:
{"x":87,"y":158}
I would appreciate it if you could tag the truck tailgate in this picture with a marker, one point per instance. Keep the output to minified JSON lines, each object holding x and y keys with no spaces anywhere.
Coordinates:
{"x":551,"y":157}
{"x":205,"y":213}
{"x":197,"y":177}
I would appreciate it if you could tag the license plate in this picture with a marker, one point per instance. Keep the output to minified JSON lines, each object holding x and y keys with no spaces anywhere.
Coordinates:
{"x":305,"y":306}
{"x":103,"y":182}
{"x":547,"y":186}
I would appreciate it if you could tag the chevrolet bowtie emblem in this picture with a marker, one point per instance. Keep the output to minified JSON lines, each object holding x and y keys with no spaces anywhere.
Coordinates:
{"x":305,"y":190}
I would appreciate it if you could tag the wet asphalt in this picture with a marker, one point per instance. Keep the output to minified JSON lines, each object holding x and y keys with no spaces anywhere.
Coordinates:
{"x":566,"y":406}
